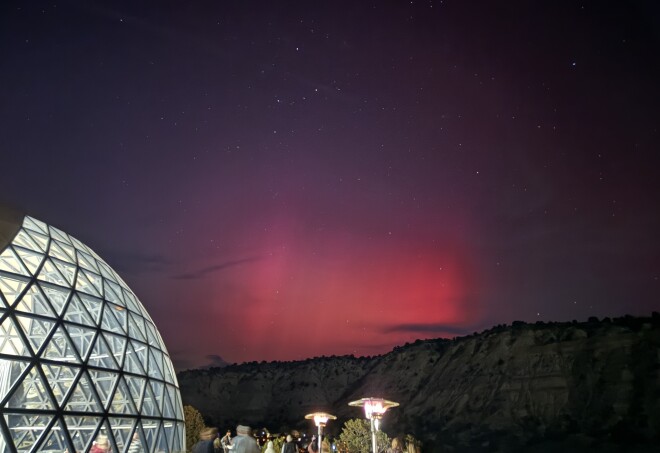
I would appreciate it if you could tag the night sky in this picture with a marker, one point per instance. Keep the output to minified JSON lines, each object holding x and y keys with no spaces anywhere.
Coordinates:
{"x":284,"y":180}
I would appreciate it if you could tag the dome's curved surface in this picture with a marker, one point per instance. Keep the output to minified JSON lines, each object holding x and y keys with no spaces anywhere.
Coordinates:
{"x":80,"y":357}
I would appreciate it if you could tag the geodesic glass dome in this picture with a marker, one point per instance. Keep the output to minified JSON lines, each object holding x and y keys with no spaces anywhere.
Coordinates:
{"x":81,"y":361}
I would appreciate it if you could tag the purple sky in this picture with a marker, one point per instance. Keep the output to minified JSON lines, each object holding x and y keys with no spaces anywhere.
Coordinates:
{"x":283,"y":180}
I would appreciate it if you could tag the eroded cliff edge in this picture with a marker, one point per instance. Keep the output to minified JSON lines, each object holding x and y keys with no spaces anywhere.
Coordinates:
{"x":591,"y":385}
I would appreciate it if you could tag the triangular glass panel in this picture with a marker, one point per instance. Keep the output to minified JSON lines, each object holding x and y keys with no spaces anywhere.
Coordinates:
{"x":82,"y":430}
{"x":56,"y":251}
{"x":158,"y":388}
{"x":82,"y":339}
{"x":132,"y":362}
{"x":24,"y":240}
{"x":168,"y":407}
{"x":163,"y":349}
{"x":59,"y":348}
{"x":137,"y":440}
{"x":122,"y":401}
{"x":70,"y":252}
{"x":35,"y":225}
{"x":95,"y":280}
{"x":151,"y":433}
{"x":95,"y":256}
{"x":136,"y":386}
{"x":132,"y":303}
{"x":60,"y":378}
{"x":175,"y":381}
{"x":57,"y":297}
{"x":178,"y":444}
{"x":79,"y":245}
{"x":142,"y":352}
{"x":119,"y":292}
{"x":171,"y":398}
{"x":101,"y":355}
{"x":104,"y":382}
{"x":84,"y":397}
{"x":120,"y":281}
{"x":145,"y":314}
{"x":50,"y":273}
{"x":149,"y":405}
{"x":26,"y":429}
{"x":155,"y":368}
{"x":54,"y":439}
{"x":31,"y":259}
{"x":109,"y":292}
{"x":11,"y":288}
{"x":93,"y":305}
{"x":111,"y":318}
{"x":136,"y":327}
{"x":31,"y":393}
{"x":86,"y":261}
{"x":113,"y":292}
{"x":107,"y":432}
{"x":167,"y":370}
{"x":40,"y":239}
{"x":10,"y":262}
{"x":106,"y":272}
{"x":152,"y":335}
{"x":84,"y":285}
{"x":36,"y":330}
{"x":121,"y":314}
{"x":34,"y":302}
{"x":122,"y":430}
{"x":164,"y":440}
{"x":170,"y":428}
{"x":10,"y":339}
{"x":161,"y":343}
{"x":68,"y":270}
{"x":59,"y":235}
{"x":76,"y":312}
{"x":178,"y":406}
{"x":117,"y":345}
{"x":12,"y":371}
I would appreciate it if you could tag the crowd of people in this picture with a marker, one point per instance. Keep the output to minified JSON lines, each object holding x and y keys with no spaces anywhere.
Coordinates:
{"x":211,"y":442}
{"x":242,"y":442}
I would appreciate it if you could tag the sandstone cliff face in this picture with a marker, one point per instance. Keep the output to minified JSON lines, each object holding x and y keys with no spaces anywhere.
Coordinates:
{"x":588,"y":384}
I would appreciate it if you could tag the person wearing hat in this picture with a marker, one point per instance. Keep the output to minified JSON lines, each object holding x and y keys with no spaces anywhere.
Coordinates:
{"x":243,"y":442}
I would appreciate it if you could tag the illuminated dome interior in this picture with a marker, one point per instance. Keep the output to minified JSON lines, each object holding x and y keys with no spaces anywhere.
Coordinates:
{"x":80,"y":358}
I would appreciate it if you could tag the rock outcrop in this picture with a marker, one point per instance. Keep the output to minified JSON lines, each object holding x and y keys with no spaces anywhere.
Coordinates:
{"x":543,"y":386}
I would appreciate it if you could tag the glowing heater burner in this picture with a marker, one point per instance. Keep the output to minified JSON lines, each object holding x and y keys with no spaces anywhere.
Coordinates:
{"x":320,"y":420}
{"x":374,"y":408}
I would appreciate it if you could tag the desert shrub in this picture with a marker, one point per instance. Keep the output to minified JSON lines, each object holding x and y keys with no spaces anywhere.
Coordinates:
{"x":355,"y":437}
{"x":194,"y":425}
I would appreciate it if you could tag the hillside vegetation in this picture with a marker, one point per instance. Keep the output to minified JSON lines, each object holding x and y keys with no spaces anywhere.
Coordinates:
{"x":577,"y":386}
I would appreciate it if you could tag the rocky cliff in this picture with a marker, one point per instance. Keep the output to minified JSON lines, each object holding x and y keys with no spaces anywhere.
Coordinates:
{"x":541,"y":387}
